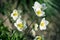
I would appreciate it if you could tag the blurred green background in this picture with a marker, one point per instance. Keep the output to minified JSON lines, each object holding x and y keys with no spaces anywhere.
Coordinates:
{"x":52,"y":15}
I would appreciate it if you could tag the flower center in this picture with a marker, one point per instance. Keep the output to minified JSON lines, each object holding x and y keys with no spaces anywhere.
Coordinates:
{"x":15,"y":14}
{"x":42,"y":24}
{"x":20,"y":25}
{"x":39,"y":38}
{"x":38,"y":12}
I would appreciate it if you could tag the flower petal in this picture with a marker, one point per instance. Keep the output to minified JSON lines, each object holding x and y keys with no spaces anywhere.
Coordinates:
{"x":33,"y":32}
{"x":36,"y":27}
{"x":43,"y":24}
{"x":43,"y":6}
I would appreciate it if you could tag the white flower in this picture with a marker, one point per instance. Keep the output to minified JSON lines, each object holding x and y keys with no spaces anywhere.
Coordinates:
{"x":43,"y":24}
{"x":33,"y":32}
{"x":20,"y":25}
{"x":44,"y":6}
{"x":39,"y":12}
{"x":36,"y":26}
{"x":37,"y":5}
{"x":19,"y":10}
{"x":38,"y":38}
{"x":15,"y":14}
{"x":38,"y":9}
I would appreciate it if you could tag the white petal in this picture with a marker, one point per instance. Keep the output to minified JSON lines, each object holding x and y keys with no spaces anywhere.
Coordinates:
{"x":19,"y":20}
{"x":46,"y":22}
{"x":14,"y":18}
{"x":15,"y":24}
{"x":11,"y":14}
{"x":14,"y":10}
{"x":19,"y":29}
{"x":43,"y":14}
{"x":37,"y":9}
{"x":43,"y":6}
{"x":36,"y":27}
{"x":33,"y":32}
{"x":25,"y":26}
{"x":37,"y":37}
{"x":37,"y":6}
{"x":20,"y":16}
{"x":42,"y":28}
{"x":43,"y":19}
{"x":20,"y":11}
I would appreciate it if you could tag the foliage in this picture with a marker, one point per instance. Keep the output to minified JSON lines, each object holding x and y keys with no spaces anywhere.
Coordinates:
{"x":7,"y":6}
{"x":5,"y":34}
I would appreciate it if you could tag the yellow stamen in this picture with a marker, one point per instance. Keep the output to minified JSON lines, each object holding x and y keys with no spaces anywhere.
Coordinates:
{"x":20,"y":25}
{"x":39,"y":12}
{"x":42,"y":24}
{"x":15,"y":14}
{"x":39,"y":38}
